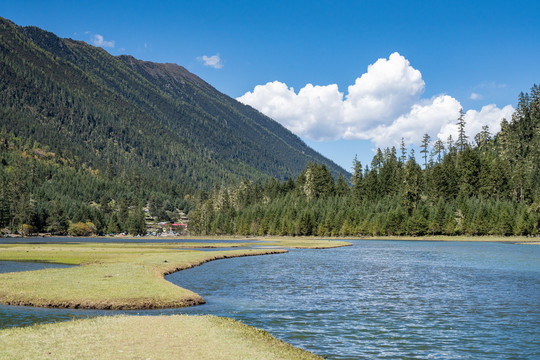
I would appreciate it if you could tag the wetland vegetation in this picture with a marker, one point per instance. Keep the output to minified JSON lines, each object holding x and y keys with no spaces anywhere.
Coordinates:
{"x":114,"y":275}
{"x":145,"y":337}
{"x":373,"y":299}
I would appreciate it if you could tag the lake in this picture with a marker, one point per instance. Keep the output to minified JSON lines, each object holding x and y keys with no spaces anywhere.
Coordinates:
{"x":376,"y":299}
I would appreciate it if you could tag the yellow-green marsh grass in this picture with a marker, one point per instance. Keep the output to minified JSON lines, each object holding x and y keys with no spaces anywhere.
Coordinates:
{"x":145,"y":337}
{"x":118,"y":275}
{"x":304,"y":242}
{"x":300,"y":242}
{"x":111,"y":276}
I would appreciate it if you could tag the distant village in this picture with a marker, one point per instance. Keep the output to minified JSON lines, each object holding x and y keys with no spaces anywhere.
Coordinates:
{"x":163,"y":228}
{"x":166,"y":228}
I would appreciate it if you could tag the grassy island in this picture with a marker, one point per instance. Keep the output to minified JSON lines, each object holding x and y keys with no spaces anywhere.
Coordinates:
{"x":114,"y":275}
{"x":145,"y":337}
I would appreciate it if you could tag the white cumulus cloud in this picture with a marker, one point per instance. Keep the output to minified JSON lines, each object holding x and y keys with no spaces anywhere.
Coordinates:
{"x":98,"y":40}
{"x":425,"y":117}
{"x":212,"y":61}
{"x":383,"y":105}
{"x":489,"y":115}
{"x":315,"y":110}
{"x":476,"y":96}
{"x":388,"y":89}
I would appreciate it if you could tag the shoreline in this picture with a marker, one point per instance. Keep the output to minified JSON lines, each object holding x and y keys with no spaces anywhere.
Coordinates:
{"x":44,"y":336}
{"x":231,"y":336}
{"x":97,"y":262}
{"x":472,"y":238}
{"x":115,"y":276}
{"x":186,"y":299}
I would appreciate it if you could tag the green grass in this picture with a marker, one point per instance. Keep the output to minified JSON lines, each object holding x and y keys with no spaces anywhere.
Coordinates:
{"x":130,"y":276}
{"x":300,"y":242}
{"x":145,"y":337}
{"x":121,"y":277}
{"x":113,"y":276}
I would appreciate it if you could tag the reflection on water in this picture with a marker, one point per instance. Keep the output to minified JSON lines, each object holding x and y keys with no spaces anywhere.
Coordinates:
{"x":379,"y":299}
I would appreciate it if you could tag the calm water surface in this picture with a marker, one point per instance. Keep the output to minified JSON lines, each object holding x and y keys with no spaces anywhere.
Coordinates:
{"x":16,"y":266}
{"x":376,"y":299}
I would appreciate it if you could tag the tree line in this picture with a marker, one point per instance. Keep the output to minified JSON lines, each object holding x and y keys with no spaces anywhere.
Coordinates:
{"x":485,"y":186}
{"x":44,"y":192}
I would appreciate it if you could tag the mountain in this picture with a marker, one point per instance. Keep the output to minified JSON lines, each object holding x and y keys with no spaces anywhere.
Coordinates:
{"x":125,"y":117}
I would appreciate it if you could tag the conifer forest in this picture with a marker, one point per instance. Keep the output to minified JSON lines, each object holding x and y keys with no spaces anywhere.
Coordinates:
{"x":486,"y":184}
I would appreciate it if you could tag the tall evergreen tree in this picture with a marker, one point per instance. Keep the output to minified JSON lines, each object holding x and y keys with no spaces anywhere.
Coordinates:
{"x":438,"y":149}
{"x":357,"y":180}
{"x":462,"y":140}
{"x":412,"y":185}
{"x":403,"y":157}
{"x":483,"y":136}
{"x":425,"y":144}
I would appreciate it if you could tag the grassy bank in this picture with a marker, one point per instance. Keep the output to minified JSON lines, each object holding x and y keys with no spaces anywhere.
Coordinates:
{"x":328,"y":241}
{"x":145,"y":337}
{"x":508,"y":239}
{"x":112,"y":275}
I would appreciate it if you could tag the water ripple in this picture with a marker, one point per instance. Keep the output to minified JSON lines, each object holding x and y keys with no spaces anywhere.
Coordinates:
{"x":374,"y":300}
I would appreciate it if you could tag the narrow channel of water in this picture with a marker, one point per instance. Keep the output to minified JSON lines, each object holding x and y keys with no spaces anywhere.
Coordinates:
{"x":374,"y":300}
{"x":16,"y":266}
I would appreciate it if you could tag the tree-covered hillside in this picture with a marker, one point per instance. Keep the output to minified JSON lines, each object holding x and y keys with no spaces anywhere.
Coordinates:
{"x":122,"y":129}
{"x":128,"y":115}
{"x":489,"y":185}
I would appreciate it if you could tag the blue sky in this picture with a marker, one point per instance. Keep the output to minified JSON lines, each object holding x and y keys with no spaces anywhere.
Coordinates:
{"x":428,"y":59}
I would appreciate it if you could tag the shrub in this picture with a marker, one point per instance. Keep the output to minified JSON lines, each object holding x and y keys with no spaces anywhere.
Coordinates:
{"x":27,"y":229}
{"x":79,"y":229}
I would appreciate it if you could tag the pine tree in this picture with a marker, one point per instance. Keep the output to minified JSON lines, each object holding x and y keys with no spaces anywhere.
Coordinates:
{"x":468,"y":169}
{"x":412,"y":183}
{"x":377,"y":161}
{"x":425,"y":143}
{"x":483,"y":136}
{"x":438,"y":150}
{"x":57,"y":221}
{"x":357,"y":180}
{"x":357,"y":172}
{"x":450,"y":144}
{"x":462,"y":137}
{"x":403,"y":157}
{"x":342,"y":189}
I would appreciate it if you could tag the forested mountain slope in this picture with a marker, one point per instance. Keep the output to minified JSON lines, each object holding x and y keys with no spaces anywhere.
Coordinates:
{"x":123,"y":115}
{"x":89,"y":137}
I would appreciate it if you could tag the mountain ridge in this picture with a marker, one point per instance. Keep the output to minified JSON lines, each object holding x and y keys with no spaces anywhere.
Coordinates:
{"x":129,"y":102}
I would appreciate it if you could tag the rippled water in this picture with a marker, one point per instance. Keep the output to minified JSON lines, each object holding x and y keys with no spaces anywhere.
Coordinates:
{"x":376,"y":299}
{"x":385,"y":299}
